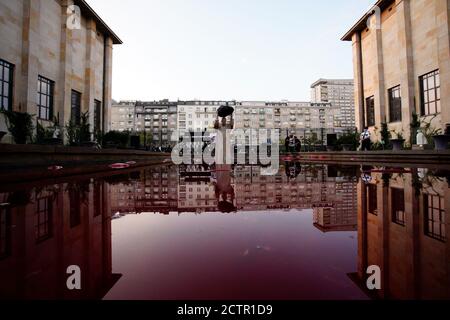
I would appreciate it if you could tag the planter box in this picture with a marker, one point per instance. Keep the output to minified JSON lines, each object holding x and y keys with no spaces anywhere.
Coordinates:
{"x":441,"y":142}
{"x":347,"y":147}
{"x":90,"y":144}
{"x":53,"y":142}
{"x":397,"y":144}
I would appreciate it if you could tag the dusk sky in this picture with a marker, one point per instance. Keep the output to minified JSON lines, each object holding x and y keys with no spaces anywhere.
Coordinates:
{"x":228,"y":49}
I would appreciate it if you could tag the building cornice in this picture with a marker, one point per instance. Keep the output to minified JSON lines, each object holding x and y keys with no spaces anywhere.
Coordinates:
{"x":362,"y":23}
{"x":87,"y":11}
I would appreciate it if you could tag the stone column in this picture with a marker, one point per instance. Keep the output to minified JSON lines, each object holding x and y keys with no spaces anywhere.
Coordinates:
{"x":406,"y":64}
{"x":383,"y":221}
{"x":64,"y":85}
{"x":30,"y":56}
{"x":443,"y":42}
{"x":411,"y":234}
{"x":89,"y":81}
{"x":380,"y":90}
{"x":107,"y":84}
{"x":362,"y":230}
{"x":360,"y":116}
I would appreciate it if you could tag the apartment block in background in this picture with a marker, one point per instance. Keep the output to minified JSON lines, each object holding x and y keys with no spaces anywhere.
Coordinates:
{"x":123,"y":116}
{"x":198,"y":116}
{"x":402,"y":64}
{"x":50,"y":68}
{"x":304,"y":119}
{"x":157,"y":119}
{"x":340,"y":93}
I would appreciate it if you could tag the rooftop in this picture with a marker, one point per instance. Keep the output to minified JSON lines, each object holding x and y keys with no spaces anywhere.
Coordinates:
{"x":335,"y":81}
{"x":362,"y":23}
{"x":87,"y":11}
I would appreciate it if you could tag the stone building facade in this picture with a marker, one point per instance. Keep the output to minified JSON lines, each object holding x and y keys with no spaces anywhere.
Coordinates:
{"x":401,"y":56}
{"x":403,"y":223}
{"x":55,"y":61}
{"x":49,"y":229}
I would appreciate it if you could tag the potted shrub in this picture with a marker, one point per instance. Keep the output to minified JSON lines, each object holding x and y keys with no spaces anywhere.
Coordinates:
{"x":2,"y":134}
{"x":49,"y":136}
{"x":441,"y":140}
{"x":397,"y":144}
{"x":349,"y":141}
{"x":116,"y":139}
{"x":20,"y":125}
{"x":72,"y":133}
{"x":385,"y":136}
{"x":414,"y":127}
{"x":84,"y":132}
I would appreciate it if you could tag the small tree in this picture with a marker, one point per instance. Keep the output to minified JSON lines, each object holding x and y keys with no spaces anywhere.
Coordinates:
{"x":84,"y":128}
{"x":414,"y":126}
{"x":385,"y":135}
{"x":349,"y":138}
{"x":20,"y":125}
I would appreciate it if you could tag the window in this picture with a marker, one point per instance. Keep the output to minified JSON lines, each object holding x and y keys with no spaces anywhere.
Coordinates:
{"x":430,"y":88}
{"x":5,"y":236}
{"x":97,"y":198}
{"x":97,"y":115}
{"x":43,"y":227}
{"x":370,"y":112}
{"x":45,"y":98}
{"x":398,"y":206}
{"x":75,"y":207}
{"x":372,"y":199}
{"x":6,"y":85}
{"x":76,"y":107}
{"x":395,"y":104}
{"x":434,"y":217}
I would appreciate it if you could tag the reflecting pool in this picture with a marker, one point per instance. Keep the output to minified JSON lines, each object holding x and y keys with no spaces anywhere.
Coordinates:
{"x":228,"y":232}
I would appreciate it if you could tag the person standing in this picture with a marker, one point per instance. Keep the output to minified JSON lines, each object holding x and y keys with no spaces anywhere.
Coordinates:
{"x":291,"y":143}
{"x":365,"y":140}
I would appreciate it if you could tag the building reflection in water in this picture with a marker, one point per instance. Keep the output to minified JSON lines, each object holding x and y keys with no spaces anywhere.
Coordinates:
{"x":402,"y":223}
{"x":330,"y":191}
{"x":401,"y":218}
{"x":46,"y":229}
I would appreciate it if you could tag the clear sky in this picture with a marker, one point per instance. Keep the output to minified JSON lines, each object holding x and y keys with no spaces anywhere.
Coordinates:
{"x":228,"y":49}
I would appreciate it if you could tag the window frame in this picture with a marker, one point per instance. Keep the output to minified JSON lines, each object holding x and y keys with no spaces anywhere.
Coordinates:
{"x":372,"y":199}
{"x":5,"y":232}
{"x":97,"y":115}
{"x":49,"y":97}
{"x":75,"y":117}
{"x":47,"y":222}
{"x":428,"y":208}
{"x":425,"y":92}
{"x":398,"y":197}
{"x":372,"y":113}
{"x":395,"y":115}
{"x":5,"y":65}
